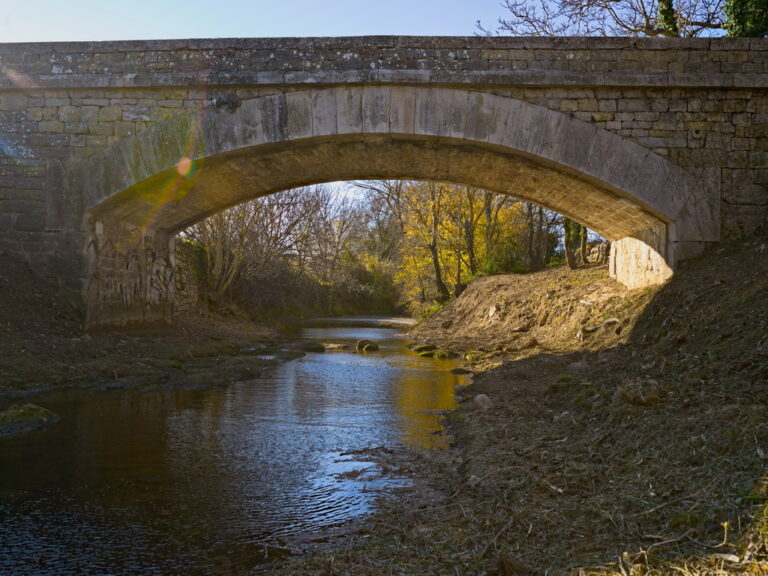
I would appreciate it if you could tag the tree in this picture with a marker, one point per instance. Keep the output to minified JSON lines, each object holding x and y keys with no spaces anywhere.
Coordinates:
{"x":670,"y":18}
{"x":572,"y":235}
{"x":445,"y":235}
{"x":537,"y":235}
{"x":384,"y":212}
{"x":336,"y":223}
{"x":747,"y":18}
{"x":224,"y":239}
{"x":434,"y":209}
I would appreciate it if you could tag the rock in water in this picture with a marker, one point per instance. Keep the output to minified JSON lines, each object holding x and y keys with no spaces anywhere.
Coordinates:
{"x":311,"y":347}
{"x":335,"y":346}
{"x":25,"y":418}
{"x":483,"y":402}
{"x":419,"y":348}
{"x":366,"y":346}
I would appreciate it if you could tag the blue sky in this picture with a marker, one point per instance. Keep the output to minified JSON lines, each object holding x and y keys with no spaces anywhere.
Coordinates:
{"x":55,"y":20}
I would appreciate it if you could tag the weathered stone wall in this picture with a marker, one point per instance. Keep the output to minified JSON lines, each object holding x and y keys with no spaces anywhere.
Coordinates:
{"x":131,"y":277}
{"x":701,"y":103}
{"x":642,"y":260}
{"x":187,"y":290}
{"x":720,"y":133}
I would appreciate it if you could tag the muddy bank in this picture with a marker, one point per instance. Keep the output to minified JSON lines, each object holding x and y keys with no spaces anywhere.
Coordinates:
{"x":644,"y":457}
{"x":196,"y":352}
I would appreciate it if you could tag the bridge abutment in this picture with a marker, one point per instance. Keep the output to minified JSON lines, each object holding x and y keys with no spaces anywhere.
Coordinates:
{"x":643,"y":260}
{"x":130,"y":275}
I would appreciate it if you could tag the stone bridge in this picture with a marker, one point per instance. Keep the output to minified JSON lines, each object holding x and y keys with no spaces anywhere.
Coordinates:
{"x":108,"y":149}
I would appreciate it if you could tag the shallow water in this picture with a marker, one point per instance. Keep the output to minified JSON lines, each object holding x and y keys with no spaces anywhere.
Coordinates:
{"x":218,"y":481}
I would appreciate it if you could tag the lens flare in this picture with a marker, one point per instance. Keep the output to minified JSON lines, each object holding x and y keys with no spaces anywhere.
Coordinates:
{"x":184,"y":166}
{"x":17,"y":78}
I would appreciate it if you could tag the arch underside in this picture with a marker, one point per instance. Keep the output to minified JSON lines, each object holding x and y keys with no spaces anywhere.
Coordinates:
{"x":170,"y":201}
{"x":136,"y":198}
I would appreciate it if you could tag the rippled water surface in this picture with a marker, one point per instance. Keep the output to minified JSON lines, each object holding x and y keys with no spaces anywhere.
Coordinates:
{"x":217,"y":481}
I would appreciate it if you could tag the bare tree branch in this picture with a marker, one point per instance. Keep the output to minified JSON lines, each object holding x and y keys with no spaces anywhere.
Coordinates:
{"x":686,"y":18}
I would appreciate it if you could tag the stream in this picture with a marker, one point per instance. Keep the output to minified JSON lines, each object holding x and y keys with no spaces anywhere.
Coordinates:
{"x":217,"y":481}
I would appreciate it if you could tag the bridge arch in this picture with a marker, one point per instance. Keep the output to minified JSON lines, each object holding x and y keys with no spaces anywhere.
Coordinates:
{"x":144,"y":189}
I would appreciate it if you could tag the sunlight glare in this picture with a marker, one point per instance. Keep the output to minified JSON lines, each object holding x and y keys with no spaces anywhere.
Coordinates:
{"x":17,"y":78}
{"x":184,"y":166}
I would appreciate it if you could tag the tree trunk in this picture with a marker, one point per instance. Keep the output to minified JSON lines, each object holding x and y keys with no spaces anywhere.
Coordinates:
{"x":537,"y":237}
{"x":469,"y":240}
{"x":442,"y":290}
{"x":570,"y":233}
{"x":488,"y":212}
{"x":543,"y":240}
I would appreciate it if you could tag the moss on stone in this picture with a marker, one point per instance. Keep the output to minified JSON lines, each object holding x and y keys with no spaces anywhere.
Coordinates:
{"x":445,"y":354}
{"x":25,"y":418}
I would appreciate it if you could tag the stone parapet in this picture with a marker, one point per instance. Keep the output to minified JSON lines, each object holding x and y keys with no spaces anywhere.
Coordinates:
{"x":497,"y":61}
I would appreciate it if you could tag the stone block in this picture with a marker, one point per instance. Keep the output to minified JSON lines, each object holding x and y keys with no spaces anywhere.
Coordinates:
{"x":29,"y":223}
{"x":35,"y":114}
{"x":482,"y":112}
{"x":428,"y":114}
{"x":110,"y":114}
{"x":273,"y":117}
{"x":14,"y":101}
{"x":453,"y":107}
{"x":323,"y":112}
{"x":89,"y":113}
{"x":51,"y":126}
{"x":375,"y":103}
{"x":69,"y":114}
{"x":134,"y":113}
{"x":298,"y":112}
{"x":349,"y":110}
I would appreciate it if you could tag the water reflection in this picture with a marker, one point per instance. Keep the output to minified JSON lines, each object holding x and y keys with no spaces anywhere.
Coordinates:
{"x":420,"y":400}
{"x":216,"y":481}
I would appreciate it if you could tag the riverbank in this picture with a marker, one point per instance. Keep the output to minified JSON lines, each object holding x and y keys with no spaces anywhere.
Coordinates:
{"x":555,"y":311}
{"x":198,"y":352}
{"x":646,"y":457}
{"x":43,"y":346}
{"x":641,"y":451}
